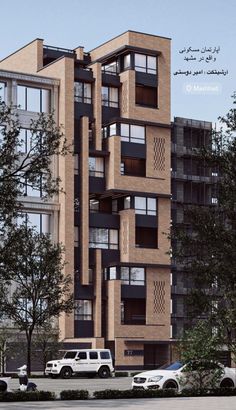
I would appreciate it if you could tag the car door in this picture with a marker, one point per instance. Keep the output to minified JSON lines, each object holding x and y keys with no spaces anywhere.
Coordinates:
{"x":81,"y":362}
{"x":93,"y":361}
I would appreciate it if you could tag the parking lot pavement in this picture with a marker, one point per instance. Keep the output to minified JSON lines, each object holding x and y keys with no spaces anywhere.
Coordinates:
{"x":193,"y":403}
{"x":57,"y":385}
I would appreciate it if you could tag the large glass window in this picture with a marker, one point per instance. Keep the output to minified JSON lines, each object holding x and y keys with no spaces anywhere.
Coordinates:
{"x":132,"y":276}
{"x":110,"y":68}
{"x":110,"y":97}
{"x":27,"y":141}
{"x":29,"y":189}
{"x":103,"y":238}
{"x":111,"y":273}
{"x":127,"y":202}
{"x":33,"y":99}
{"x":83,"y":310}
{"x":83,"y":92}
{"x":96,"y":167}
{"x":128,"y":275}
{"x":145,"y":206}
{"x":132,"y":133}
{"x":127,"y":61}
{"x":2,"y":91}
{"x":128,"y":132}
{"x":41,"y":222}
{"x":145,"y":64}
{"x":93,"y":205}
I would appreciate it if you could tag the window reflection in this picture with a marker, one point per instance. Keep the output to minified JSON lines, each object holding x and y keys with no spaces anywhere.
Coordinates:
{"x":83,"y":310}
{"x":145,"y":63}
{"x":110,"y":97}
{"x":103,"y":238}
{"x":39,"y":221}
{"x":83,"y":92}
{"x":33,"y":99}
{"x":96,"y":167}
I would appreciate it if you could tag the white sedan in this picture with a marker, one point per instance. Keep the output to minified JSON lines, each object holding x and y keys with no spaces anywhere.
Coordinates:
{"x":168,"y":377}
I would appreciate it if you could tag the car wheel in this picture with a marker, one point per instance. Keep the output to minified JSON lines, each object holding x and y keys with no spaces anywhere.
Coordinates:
{"x":66,"y":373}
{"x":227,"y":383}
{"x":170,"y":384}
{"x":104,"y":372}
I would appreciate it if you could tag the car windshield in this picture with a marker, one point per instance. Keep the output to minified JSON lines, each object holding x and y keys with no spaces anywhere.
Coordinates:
{"x":172,"y":366}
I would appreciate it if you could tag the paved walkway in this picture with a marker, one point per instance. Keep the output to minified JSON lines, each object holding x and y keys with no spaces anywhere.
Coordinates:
{"x":194,"y":403}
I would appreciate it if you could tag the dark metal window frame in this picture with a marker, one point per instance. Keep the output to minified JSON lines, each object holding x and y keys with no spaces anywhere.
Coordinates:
{"x":81,"y":98}
{"x":146,"y":208}
{"x":40,"y":97}
{"x":82,"y":316}
{"x":25,"y":219}
{"x":130,"y":278}
{"x":110,"y":103}
{"x":96,"y":173}
{"x":119,"y":276}
{"x":27,"y":185}
{"x":107,"y":71}
{"x":146,"y":68}
{"x":110,"y":245}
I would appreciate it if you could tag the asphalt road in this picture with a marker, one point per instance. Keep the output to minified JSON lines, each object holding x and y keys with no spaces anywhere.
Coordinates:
{"x":57,"y":385}
{"x":193,"y":403}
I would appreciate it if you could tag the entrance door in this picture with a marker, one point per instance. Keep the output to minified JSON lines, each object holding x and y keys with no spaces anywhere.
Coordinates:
{"x":155,"y":355}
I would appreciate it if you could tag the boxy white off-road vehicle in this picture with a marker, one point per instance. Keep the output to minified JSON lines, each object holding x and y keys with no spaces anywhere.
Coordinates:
{"x":87,"y":361}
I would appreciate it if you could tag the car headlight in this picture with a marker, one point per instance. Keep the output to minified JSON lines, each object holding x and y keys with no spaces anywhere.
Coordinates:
{"x":155,"y":379}
{"x":55,"y":365}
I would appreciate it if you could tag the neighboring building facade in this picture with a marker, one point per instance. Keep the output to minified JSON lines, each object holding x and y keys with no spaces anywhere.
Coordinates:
{"x":34,"y":94}
{"x":114,"y":104}
{"x":192,"y":183}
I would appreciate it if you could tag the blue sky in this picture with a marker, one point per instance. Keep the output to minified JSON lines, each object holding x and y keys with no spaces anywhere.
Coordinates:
{"x":197,"y":24}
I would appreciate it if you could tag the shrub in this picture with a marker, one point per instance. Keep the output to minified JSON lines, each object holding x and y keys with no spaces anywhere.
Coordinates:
{"x":223,"y":391}
{"x":121,"y":374}
{"x":74,"y":395}
{"x":130,"y":394}
{"x":27,"y":396}
{"x":220,"y":391}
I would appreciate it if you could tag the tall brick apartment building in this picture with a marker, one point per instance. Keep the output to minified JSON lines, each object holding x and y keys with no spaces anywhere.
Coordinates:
{"x":192,"y":183}
{"x":114,"y":105}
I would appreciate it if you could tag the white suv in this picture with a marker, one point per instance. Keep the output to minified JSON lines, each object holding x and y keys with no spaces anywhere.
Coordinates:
{"x":90,"y":361}
{"x":169,"y":376}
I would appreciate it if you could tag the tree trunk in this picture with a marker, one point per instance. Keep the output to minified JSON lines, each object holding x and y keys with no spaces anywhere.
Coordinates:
{"x":29,"y":340}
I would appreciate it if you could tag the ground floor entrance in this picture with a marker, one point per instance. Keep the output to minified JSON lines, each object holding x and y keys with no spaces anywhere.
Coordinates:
{"x":155,"y":355}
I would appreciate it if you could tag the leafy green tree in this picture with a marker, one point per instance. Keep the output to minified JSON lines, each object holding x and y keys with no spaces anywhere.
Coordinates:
{"x":198,"y":350}
{"x":206,"y":247}
{"x":33,"y":168}
{"x":47,"y":344}
{"x":5,"y":335}
{"x":33,"y":288}
{"x":33,"y":265}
